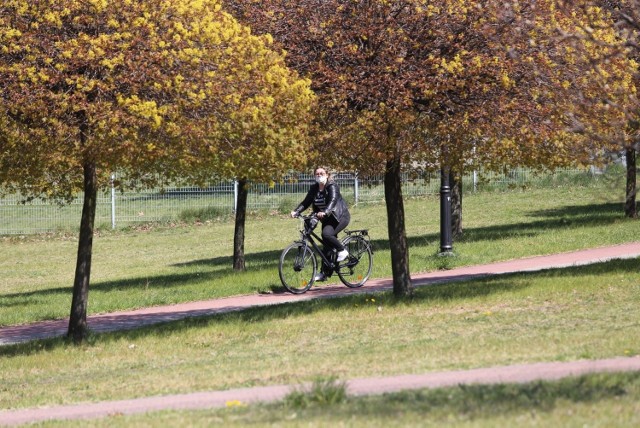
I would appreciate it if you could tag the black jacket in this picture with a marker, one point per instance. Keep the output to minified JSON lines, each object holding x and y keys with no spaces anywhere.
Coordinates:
{"x":336,"y":205}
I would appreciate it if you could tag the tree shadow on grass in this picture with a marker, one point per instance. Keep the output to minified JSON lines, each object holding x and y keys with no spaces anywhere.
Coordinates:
{"x":268,"y":257}
{"x":267,"y":261}
{"x":437,"y":292}
{"x":488,"y":402}
{"x":160,"y":281}
{"x":570,"y":216}
{"x":593,"y":213}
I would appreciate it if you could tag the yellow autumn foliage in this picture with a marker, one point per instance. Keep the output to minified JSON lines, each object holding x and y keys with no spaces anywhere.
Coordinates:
{"x":154,"y":86}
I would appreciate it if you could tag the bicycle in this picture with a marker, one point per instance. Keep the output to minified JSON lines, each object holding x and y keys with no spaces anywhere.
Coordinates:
{"x":299,"y":264}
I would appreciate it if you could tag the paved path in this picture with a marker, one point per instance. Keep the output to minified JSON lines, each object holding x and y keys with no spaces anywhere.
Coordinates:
{"x":137,"y":318}
{"x":520,"y":373}
{"x":146,"y":316}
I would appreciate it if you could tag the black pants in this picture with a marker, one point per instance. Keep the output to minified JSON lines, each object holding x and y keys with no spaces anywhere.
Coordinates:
{"x":330,"y":229}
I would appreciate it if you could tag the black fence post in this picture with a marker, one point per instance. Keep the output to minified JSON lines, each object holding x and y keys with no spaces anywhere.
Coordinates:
{"x":446,"y":241}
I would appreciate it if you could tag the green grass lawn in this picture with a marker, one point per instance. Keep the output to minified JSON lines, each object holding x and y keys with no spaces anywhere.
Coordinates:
{"x":555,"y":315}
{"x":595,"y":400}
{"x":160,"y":264}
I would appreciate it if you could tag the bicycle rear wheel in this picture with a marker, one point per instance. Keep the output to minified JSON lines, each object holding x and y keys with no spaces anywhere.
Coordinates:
{"x":355,"y":270}
{"x":297,"y":268}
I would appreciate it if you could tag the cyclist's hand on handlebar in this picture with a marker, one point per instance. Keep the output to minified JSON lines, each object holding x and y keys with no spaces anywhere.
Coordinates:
{"x":320,"y":214}
{"x":294,"y":214}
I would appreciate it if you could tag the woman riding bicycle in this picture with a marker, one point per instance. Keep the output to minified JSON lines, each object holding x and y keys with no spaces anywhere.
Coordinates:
{"x":331,"y":209}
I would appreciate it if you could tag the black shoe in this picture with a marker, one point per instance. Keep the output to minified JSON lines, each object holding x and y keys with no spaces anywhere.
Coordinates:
{"x":320,"y":277}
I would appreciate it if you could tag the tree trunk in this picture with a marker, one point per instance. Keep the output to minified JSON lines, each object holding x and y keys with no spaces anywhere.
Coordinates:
{"x":238,"y":236}
{"x":630,"y":206}
{"x":455,"y":180}
{"x":402,"y":286}
{"x":78,"y":318}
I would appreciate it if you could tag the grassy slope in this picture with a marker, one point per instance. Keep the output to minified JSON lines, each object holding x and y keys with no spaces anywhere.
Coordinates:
{"x":161,"y":265}
{"x":582,"y":312}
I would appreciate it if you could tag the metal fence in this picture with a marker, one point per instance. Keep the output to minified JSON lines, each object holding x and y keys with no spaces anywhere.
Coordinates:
{"x":120,"y":209}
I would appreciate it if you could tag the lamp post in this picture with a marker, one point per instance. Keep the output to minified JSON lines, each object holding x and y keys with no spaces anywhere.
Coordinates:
{"x":446,"y":241}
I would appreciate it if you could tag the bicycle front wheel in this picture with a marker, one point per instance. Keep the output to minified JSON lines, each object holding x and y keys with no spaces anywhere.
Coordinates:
{"x":297,"y":268}
{"x":355,"y":270}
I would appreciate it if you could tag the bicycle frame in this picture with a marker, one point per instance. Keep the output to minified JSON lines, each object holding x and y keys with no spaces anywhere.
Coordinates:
{"x":307,"y":237}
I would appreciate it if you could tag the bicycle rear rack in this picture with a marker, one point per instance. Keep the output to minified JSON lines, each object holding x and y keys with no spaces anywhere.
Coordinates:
{"x":361,"y":232}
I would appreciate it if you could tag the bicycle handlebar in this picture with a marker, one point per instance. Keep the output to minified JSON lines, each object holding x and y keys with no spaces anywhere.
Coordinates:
{"x":306,"y":217}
